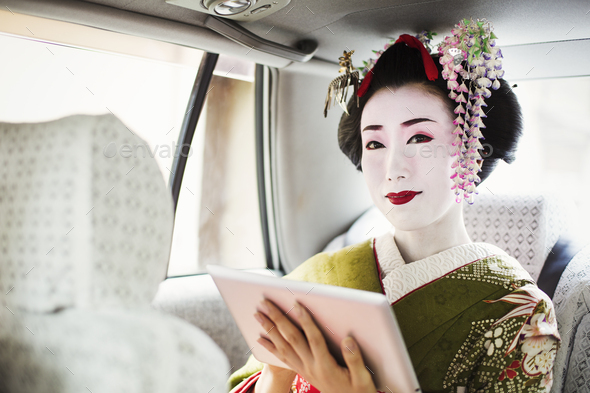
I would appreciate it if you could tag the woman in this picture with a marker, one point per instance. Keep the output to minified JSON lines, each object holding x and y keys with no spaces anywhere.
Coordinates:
{"x":471,"y":317}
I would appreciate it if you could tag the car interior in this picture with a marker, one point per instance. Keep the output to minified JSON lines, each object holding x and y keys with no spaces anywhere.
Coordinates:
{"x":144,"y":140}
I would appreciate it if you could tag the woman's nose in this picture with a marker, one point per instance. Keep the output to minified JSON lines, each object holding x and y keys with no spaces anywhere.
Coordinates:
{"x":397,"y":165}
{"x":399,"y":177}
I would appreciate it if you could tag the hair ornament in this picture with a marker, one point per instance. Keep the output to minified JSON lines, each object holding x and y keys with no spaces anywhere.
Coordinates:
{"x":429,"y":66}
{"x":470,"y":52}
{"x":425,"y":37}
{"x":338,"y":88}
{"x":421,"y":42}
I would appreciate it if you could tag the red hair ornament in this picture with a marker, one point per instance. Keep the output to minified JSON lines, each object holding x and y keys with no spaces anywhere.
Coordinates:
{"x":412,"y":42}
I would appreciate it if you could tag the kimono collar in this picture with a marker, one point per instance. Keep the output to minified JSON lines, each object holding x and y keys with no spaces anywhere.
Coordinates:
{"x":400,"y":278}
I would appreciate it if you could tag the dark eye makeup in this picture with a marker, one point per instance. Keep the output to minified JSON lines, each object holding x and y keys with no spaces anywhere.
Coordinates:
{"x":418,"y":138}
{"x":372,"y":145}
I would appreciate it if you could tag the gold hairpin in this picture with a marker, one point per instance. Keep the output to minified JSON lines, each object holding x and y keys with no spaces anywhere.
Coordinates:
{"x":338,"y":88}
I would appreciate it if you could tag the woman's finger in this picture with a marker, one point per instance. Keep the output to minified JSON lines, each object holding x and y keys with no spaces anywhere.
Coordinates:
{"x":291,"y":338}
{"x":315,"y":338}
{"x":272,"y":334}
{"x":360,"y":375}
{"x":266,"y":343}
{"x":275,"y":343}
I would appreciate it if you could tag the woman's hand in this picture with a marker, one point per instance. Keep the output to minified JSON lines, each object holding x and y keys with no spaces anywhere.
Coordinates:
{"x":307,"y":353}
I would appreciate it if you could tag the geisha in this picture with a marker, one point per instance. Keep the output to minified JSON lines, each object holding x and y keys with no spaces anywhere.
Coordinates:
{"x":472,"y":318}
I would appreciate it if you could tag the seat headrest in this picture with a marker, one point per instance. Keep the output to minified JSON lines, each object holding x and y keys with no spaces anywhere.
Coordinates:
{"x":525,"y":226}
{"x":84,"y":222}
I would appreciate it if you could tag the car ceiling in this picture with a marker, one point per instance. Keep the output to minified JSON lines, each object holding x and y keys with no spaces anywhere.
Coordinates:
{"x":336,"y":24}
{"x":526,"y":29}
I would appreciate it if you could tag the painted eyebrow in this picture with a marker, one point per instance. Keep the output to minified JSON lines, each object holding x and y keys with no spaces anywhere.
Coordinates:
{"x":372,"y":128}
{"x":407,"y":123}
{"x":416,"y":121}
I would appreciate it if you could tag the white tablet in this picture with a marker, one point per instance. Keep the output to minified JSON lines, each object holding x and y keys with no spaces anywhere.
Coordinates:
{"x":338,"y":312}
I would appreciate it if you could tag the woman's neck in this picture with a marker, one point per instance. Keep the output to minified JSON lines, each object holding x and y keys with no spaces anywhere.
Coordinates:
{"x":419,"y":244}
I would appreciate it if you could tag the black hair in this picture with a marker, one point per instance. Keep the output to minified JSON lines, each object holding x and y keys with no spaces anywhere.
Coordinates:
{"x":401,"y":65}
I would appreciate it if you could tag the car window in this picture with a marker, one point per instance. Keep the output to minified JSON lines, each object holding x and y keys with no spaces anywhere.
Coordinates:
{"x":46,"y":75}
{"x":44,"y":80}
{"x":217,"y":217}
{"x":552,"y":156}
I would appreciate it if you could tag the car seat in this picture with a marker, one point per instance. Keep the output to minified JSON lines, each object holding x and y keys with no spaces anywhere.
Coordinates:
{"x":85,"y":240}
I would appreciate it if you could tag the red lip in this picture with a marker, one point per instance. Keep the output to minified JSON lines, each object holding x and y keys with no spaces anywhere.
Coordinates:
{"x":402,"y":197}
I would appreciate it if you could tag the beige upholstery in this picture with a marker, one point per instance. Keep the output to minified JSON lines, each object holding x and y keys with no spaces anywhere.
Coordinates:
{"x":525,"y":226}
{"x":85,"y":241}
{"x":197,"y":300}
{"x":572,"y":307}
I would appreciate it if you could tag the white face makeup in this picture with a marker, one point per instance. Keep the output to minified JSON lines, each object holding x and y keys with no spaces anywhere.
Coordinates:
{"x":407,"y":139}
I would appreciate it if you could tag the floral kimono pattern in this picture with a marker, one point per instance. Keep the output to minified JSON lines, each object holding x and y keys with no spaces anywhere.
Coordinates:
{"x":472,"y":318}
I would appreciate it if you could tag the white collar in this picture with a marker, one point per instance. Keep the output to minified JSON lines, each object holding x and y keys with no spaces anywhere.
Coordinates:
{"x":400,"y":278}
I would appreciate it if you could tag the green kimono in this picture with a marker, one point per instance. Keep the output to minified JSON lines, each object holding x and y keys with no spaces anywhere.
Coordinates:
{"x":471,"y":317}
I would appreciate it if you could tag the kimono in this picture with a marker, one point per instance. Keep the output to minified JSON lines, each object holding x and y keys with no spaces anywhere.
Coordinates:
{"x":473,"y":320}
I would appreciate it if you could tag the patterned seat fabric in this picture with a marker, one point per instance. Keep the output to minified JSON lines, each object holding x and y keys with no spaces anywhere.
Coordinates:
{"x":525,"y":226}
{"x":572,"y":306}
{"x":85,"y":240}
{"x":578,"y":373}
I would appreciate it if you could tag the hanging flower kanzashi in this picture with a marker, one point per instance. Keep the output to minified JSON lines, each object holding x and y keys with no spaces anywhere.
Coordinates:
{"x":470,"y":52}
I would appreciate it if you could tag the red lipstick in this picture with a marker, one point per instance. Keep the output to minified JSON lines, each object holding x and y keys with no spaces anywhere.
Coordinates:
{"x":402,"y":197}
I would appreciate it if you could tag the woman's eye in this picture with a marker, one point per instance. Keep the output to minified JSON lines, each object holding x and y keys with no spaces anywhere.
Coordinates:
{"x":374,"y":145}
{"x":419,"y":138}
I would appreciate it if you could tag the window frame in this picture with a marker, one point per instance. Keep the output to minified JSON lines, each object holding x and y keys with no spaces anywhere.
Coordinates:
{"x":264,"y":134}
{"x":189,"y":123}
{"x":263,"y":100}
